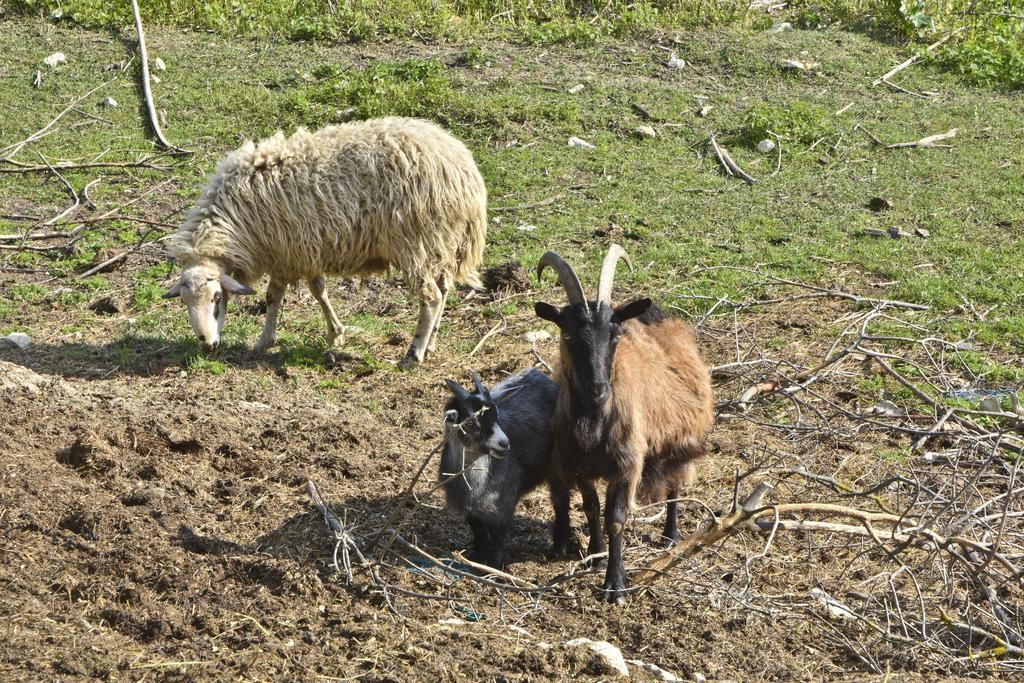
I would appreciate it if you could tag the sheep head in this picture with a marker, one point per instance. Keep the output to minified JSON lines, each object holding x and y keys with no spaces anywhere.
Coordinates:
{"x":205,"y":288}
{"x":590,"y":331}
{"x":478,"y":415}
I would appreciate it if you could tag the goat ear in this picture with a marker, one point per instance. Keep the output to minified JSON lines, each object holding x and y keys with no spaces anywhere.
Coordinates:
{"x":174,"y":292}
{"x":477,"y":384}
{"x":632,"y":310}
{"x":456,"y":389}
{"x":547,"y":312}
{"x":233,"y":286}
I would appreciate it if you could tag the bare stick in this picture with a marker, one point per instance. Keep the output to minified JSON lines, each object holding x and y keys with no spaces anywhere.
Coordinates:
{"x":927,"y":142}
{"x":13,"y":149}
{"x":903,"y":65}
{"x":500,"y":325}
{"x":118,"y":257}
{"x":150,"y":107}
{"x":524,"y":207}
{"x":145,"y":162}
{"x":731,"y":167}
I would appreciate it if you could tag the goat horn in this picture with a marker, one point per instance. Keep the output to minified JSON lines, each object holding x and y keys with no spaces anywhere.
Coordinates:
{"x":604,"y":284}
{"x":566,"y":275}
{"x":477,"y":383}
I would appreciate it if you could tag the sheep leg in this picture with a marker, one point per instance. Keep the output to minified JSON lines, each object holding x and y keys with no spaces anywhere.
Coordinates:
{"x":432,"y":345}
{"x":430,"y":305}
{"x":275,"y":296}
{"x":615,"y":513}
{"x":318,"y":286}
{"x":592,"y":509}
{"x":562,"y":530}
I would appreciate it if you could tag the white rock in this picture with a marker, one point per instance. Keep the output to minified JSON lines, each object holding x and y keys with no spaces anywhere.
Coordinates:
{"x":534,"y":336}
{"x":611,"y":655}
{"x":154,"y":78}
{"x":15,"y":340}
{"x":674,"y":62}
{"x":780,"y":27}
{"x":765,"y":146}
{"x":496,"y":220}
{"x":990,"y":404}
{"x":646,"y":132}
{"x":576,"y":89}
{"x":158,"y":65}
{"x":656,"y":671}
{"x":526,"y":227}
{"x":520,"y":630}
{"x":577,"y":142}
{"x":451,"y":622}
{"x":834,"y":607}
{"x":55,"y":59}
{"x":698,"y":677}
{"x":887,"y":408}
{"x":108,"y":102}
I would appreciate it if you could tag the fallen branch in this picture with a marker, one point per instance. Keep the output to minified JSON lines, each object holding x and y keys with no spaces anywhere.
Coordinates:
{"x":499,"y":326}
{"x":903,"y":65}
{"x":12,"y":149}
{"x":118,"y":257}
{"x":524,"y":207}
{"x":730,"y":166}
{"x":145,"y":162}
{"x":927,"y":142}
{"x":150,"y":107}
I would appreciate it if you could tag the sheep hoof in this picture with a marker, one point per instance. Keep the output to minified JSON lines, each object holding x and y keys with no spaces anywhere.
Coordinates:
{"x":262,"y":345}
{"x":408,"y":363}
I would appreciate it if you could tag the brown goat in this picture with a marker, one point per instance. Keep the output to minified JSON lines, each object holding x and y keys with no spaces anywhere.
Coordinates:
{"x":634,"y":405}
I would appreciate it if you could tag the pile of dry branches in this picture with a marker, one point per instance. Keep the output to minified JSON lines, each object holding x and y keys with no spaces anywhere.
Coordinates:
{"x":927,"y":551}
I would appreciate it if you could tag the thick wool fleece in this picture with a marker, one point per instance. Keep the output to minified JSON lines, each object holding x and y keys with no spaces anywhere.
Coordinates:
{"x":344,"y":200}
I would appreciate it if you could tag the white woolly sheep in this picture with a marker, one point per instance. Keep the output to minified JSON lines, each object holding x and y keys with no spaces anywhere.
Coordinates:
{"x":345,"y":200}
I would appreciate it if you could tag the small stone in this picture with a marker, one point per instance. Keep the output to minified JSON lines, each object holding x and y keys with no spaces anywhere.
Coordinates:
{"x":674,"y":62}
{"x":108,"y":102}
{"x":55,"y":59}
{"x":496,"y":220}
{"x":922,"y":232}
{"x":990,"y":404}
{"x":698,"y":677}
{"x":534,"y":336}
{"x":654,"y":670}
{"x":577,"y":142}
{"x":15,"y":340}
{"x":765,"y":146}
{"x":154,"y":78}
{"x":704,"y":110}
{"x":526,"y":227}
{"x":609,"y":655}
{"x":158,"y":65}
{"x":895,"y":232}
{"x":646,"y":132}
{"x":781,"y":27}
{"x":576,"y":89}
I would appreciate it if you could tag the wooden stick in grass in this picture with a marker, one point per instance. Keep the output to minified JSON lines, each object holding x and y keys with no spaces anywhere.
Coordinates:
{"x":150,"y":107}
{"x":731,"y":167}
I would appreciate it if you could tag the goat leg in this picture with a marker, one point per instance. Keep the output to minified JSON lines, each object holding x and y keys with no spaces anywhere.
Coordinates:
{"x":488,"y":542}
{"x":561,"y":533}
{"x":615,"y":513}
{"x":670,"y":534}
{"x":592,"y":509}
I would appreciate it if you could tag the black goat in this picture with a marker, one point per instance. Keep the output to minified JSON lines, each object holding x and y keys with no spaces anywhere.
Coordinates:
{"x":498,"y":450}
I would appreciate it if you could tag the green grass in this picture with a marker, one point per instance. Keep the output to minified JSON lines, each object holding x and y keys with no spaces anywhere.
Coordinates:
{"x":512,"y":106}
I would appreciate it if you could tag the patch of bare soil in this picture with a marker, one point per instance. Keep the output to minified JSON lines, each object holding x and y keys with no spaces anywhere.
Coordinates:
{"x":155,"y":525}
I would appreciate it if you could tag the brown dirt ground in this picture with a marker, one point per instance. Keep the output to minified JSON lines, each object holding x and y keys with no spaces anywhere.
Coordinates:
{"x":154,"y":527}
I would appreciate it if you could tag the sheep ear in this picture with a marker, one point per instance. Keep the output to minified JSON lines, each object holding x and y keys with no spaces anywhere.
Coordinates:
{"x":547,"y":312}
{"x":632,"y":310}
{"x":456,"y":389}
{"x":174,"y":292}
{"x":233,"y":286}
